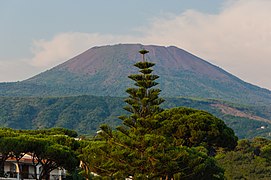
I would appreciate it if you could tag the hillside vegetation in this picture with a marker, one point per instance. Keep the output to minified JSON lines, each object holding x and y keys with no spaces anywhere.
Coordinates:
{"x":249,"y":160}
{"x":85,"y":113}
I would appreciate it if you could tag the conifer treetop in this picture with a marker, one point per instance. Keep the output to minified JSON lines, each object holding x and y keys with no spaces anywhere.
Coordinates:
{"x":143,"y":100}
{"x":143,"y":52}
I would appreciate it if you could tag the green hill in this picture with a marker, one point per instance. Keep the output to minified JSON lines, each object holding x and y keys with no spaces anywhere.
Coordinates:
{"x":86,"y":113}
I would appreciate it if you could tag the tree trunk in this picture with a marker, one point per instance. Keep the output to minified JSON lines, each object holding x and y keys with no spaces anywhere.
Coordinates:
{"x":44,"y":174}
{"x":2,"y":164}
{"x":2,"y":172}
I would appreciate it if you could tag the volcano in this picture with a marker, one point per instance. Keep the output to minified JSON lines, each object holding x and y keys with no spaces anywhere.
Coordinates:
{"x":103,"y":71}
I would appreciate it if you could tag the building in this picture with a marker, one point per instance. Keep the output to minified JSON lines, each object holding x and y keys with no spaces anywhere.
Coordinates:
{"x":28,"y":170}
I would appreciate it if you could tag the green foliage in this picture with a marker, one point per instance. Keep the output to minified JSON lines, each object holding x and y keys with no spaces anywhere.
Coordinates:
{"x":52,"y":131}
{"x":82,"y":113}
{"x":250,"y":160}
{"x":180,"y":161}
{"x":85,"y":113}
{"x":50,"y":148}
{"x":247,"y":128}
{"x":190,"y":127}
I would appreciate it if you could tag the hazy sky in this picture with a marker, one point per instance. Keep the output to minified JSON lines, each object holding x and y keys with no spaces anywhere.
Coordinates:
{"x":235,"y":35}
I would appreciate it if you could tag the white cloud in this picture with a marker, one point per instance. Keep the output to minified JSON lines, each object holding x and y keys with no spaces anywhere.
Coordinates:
{"x":60,"y":48}
{"x":237,"y":39}
{"x":16,"y":70}
{"x":48,"y":53}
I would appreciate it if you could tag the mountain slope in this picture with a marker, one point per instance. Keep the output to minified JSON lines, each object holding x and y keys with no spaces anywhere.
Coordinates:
{"x":103,"y":71}
{"x":86,"y":113}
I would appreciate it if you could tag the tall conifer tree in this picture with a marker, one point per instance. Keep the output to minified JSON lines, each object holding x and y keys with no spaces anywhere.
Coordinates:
{"x":143,"y":101}
{"x":139,"y":148}
{"x":137,"y":138}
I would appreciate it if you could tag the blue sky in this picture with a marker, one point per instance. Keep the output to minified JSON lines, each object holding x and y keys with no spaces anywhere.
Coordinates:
{"x":36,"y":35}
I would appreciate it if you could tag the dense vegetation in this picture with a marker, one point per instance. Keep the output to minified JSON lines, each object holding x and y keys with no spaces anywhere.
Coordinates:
{"x":249,"y":160}
{"x":85,"y":113}
{"x":49,"y":148}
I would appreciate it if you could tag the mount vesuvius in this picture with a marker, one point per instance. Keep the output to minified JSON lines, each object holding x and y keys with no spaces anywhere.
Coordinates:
{"x":103,"y":71}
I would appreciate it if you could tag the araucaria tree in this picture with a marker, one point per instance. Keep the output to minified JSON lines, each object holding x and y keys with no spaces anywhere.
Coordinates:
{"x":135,"y":143}
{"x":141,"y":148}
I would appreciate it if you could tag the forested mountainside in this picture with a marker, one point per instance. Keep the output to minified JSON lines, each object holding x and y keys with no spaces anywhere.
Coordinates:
{"x":103,"y":71}
{"x":86,"y":113}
